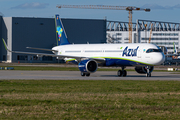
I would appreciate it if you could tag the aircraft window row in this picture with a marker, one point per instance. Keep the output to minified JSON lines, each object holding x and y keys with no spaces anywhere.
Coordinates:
{"x":165,"y":34}
{"x":153,"y":50}
{"x":96,"y":51}
{"x":113,"y":50}
{"x":93,"y":50}
{"x":72,"y":51}
{"x":160,"y":38}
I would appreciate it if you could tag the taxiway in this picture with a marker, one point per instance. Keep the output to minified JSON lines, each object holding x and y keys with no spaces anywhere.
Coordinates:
{"x":75,"y":75}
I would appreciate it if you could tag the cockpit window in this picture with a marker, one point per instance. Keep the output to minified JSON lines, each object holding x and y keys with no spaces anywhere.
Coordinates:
{"x":153,"y":50}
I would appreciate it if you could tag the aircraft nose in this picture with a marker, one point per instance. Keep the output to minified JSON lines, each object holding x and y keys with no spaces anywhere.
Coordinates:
{"x":161,"y":58}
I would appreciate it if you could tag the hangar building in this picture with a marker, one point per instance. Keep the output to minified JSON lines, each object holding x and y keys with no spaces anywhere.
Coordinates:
{"x":158,"y":32}
{"x":22,"y":32}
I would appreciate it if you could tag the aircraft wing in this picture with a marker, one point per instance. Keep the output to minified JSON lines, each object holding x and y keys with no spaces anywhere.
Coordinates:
{"x":53,"y":55}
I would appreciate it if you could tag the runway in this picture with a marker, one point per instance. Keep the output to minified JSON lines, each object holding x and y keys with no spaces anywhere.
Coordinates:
{"x":75,"y":75}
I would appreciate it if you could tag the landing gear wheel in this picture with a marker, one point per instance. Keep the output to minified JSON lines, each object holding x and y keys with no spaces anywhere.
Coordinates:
{"x":148,"y":72}
{"x":124,"y":73}
{"x":82,"y":74}
{"x":148,"y":75}
{"x":87,"y":74}
{"x":119,"y":73}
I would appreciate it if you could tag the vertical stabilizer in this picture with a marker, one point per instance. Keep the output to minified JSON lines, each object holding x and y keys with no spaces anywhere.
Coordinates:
{"x":60,"y":32}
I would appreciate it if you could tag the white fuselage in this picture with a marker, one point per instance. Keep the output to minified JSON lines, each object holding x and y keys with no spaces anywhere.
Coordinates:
{"x":124,"y":52}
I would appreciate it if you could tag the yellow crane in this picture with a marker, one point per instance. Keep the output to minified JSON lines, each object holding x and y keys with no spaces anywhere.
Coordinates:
{"x":150,"y":33}
{"x":128,"y":8}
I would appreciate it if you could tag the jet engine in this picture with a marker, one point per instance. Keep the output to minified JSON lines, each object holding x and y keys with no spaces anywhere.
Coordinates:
{"x":88,"y":66}
{"x":143,"y":70}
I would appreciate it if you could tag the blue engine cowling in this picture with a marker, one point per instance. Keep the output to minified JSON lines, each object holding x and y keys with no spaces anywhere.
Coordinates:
{"x":88,"y":66}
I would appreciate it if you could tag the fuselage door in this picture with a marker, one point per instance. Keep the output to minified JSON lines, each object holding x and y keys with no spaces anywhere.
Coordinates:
{"x":147,"y":56}
{"x":139,"y":54}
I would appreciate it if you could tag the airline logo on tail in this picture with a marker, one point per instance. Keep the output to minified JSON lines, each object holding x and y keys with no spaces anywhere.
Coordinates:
{"x":59,"y":32}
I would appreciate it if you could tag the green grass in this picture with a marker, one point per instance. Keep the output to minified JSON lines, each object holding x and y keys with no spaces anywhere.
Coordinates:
{"x":75,"y":99}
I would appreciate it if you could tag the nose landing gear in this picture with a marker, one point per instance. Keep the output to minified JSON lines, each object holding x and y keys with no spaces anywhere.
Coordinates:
{"x":148,"y":74}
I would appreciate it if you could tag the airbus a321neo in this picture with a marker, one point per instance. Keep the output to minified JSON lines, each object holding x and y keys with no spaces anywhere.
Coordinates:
{"x":89,"y":56}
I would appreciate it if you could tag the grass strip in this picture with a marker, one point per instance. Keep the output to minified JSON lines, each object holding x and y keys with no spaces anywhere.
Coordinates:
{"x":77,"y":99}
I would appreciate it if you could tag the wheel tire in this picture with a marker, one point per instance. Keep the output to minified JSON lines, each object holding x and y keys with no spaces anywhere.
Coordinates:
{"x":149,"y":74}
{"x":82,"y":74}
{"x":87,"y":74}
{"x":124,"y":73}
{"x":119,"y":73}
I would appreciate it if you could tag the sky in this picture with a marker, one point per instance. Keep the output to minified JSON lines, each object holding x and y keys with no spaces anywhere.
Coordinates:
{"x":161,"y":10}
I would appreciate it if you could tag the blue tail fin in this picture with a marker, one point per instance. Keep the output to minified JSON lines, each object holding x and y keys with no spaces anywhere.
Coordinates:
{"x":60,"y":32}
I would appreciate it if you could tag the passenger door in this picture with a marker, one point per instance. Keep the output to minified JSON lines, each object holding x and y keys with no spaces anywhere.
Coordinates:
{"x":147,"y":56}
{"x":139,"y":55}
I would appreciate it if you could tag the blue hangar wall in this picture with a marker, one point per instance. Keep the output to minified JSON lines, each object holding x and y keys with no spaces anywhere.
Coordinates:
{"x":20,"y":32}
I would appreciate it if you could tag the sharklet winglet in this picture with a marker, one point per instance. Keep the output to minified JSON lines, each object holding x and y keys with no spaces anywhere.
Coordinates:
{"x":5,"y":45}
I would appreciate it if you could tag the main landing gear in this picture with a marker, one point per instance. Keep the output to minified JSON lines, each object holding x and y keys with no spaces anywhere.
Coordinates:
{"x":122,"y":73}
{"x":85,"y":74}
{"x":148,"y":74}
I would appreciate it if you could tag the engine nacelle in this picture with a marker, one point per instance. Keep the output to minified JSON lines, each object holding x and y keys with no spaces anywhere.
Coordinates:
{"x":88,"y":66}
{"x":143,"y":70}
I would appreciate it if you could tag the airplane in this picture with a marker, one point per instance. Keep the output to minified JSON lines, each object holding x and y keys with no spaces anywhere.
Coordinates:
{"x":143,"y":56}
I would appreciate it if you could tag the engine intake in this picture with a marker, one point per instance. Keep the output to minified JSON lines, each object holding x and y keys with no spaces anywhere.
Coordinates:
{"x":143,"y":70}
{"x":88,"y":66}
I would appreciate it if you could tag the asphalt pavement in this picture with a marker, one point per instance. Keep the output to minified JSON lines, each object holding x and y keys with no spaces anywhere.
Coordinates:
{"x":75,"y":75}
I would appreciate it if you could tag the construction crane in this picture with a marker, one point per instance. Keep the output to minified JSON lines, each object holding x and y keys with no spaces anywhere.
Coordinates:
{"x":129,"y":8}
{"x":150,"y":33}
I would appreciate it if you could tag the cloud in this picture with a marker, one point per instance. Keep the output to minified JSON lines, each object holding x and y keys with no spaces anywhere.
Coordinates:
{"x":177,"y":6}
{"x":35,"y":5}
{"x":156,"y":6}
